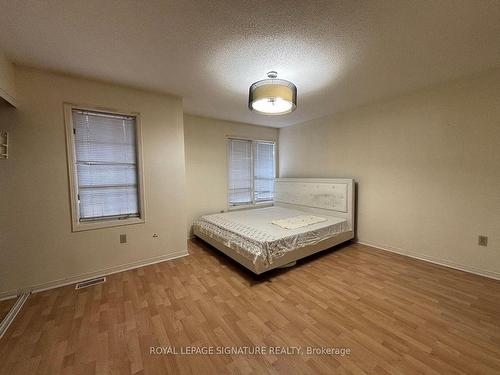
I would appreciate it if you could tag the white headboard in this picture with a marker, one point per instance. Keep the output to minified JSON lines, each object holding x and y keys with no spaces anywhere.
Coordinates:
{"x":333,"y":196}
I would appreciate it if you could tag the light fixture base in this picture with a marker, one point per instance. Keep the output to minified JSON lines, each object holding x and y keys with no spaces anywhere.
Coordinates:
{"x":272,"y":74}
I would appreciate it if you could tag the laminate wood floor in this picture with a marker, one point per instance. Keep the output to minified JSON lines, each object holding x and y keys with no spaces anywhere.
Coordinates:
{"x":397,"y":315}
{"x":5,"y":307}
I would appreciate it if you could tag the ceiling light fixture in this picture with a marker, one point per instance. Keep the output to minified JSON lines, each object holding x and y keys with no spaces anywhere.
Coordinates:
{"x":272,"y":96}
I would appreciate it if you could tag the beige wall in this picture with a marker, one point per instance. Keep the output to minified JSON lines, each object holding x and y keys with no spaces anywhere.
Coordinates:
{"x":7,"y":83}
{"x":36,"y":242}
{"x":427,"y":165}
{"x":206,"y":161}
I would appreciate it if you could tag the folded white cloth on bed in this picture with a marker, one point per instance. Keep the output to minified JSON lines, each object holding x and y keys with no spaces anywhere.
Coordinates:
{"x":298,"y":221}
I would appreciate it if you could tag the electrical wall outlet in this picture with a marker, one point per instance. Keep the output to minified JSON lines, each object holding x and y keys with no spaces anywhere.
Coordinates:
{"x":156,"y":235}
{"x":482,"y":241}
{"x":123,"y":238}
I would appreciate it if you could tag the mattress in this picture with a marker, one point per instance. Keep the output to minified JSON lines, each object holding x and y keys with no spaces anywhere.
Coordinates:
{"x":252,"y":234}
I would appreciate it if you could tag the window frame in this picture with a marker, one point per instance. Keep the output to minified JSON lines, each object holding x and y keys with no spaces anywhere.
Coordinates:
{"x":76,"y":224}
{"x":254,"y":204}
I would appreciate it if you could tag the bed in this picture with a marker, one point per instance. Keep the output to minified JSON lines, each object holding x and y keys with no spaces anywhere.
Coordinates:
{"x":308,"y":215}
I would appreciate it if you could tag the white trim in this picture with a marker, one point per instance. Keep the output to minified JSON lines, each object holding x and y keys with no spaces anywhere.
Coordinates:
{"x":10,"y":296}
{"x":270,"y":140}
{"x":99,"y":224}
{"x":11,"y":315}
{"x":76,"y":225}
{"x":442,"y":262}
{"x":8,"y":98}
{"x":100,"y":273}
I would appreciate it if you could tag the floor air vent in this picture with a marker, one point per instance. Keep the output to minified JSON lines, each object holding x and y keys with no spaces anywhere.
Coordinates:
{"x":86,"y":283}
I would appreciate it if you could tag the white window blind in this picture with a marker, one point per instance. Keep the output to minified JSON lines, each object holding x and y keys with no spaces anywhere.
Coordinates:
{"x":264,"y":171}
{"x":106,"y":165}
{"x":251,"y":171}
{"x":240,"y":172}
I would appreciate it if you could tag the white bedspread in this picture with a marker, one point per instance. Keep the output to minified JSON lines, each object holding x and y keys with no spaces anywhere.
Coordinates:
{"x":252,"y":234}
{"x":298,"y":221}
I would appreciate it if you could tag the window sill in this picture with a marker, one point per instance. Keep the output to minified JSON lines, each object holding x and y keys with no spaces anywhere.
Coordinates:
{"x":80,"y":227}
{"x":249,"y":206}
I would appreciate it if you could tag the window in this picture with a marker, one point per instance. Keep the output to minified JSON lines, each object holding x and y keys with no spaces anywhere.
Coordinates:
{"x":105,"y":169}
{"x":252,"y":169}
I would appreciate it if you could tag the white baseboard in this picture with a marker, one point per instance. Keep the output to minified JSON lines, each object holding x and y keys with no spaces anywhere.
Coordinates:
{"x":90,"y":275}
{"x":7,"y":296}
{"x":427,"y":258}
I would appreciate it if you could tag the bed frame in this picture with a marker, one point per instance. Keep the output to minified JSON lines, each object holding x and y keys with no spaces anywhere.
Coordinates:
{"x":329,"y":196}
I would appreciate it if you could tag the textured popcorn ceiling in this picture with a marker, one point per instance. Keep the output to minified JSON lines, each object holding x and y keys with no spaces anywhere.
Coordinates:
{"x":340,"y":54}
